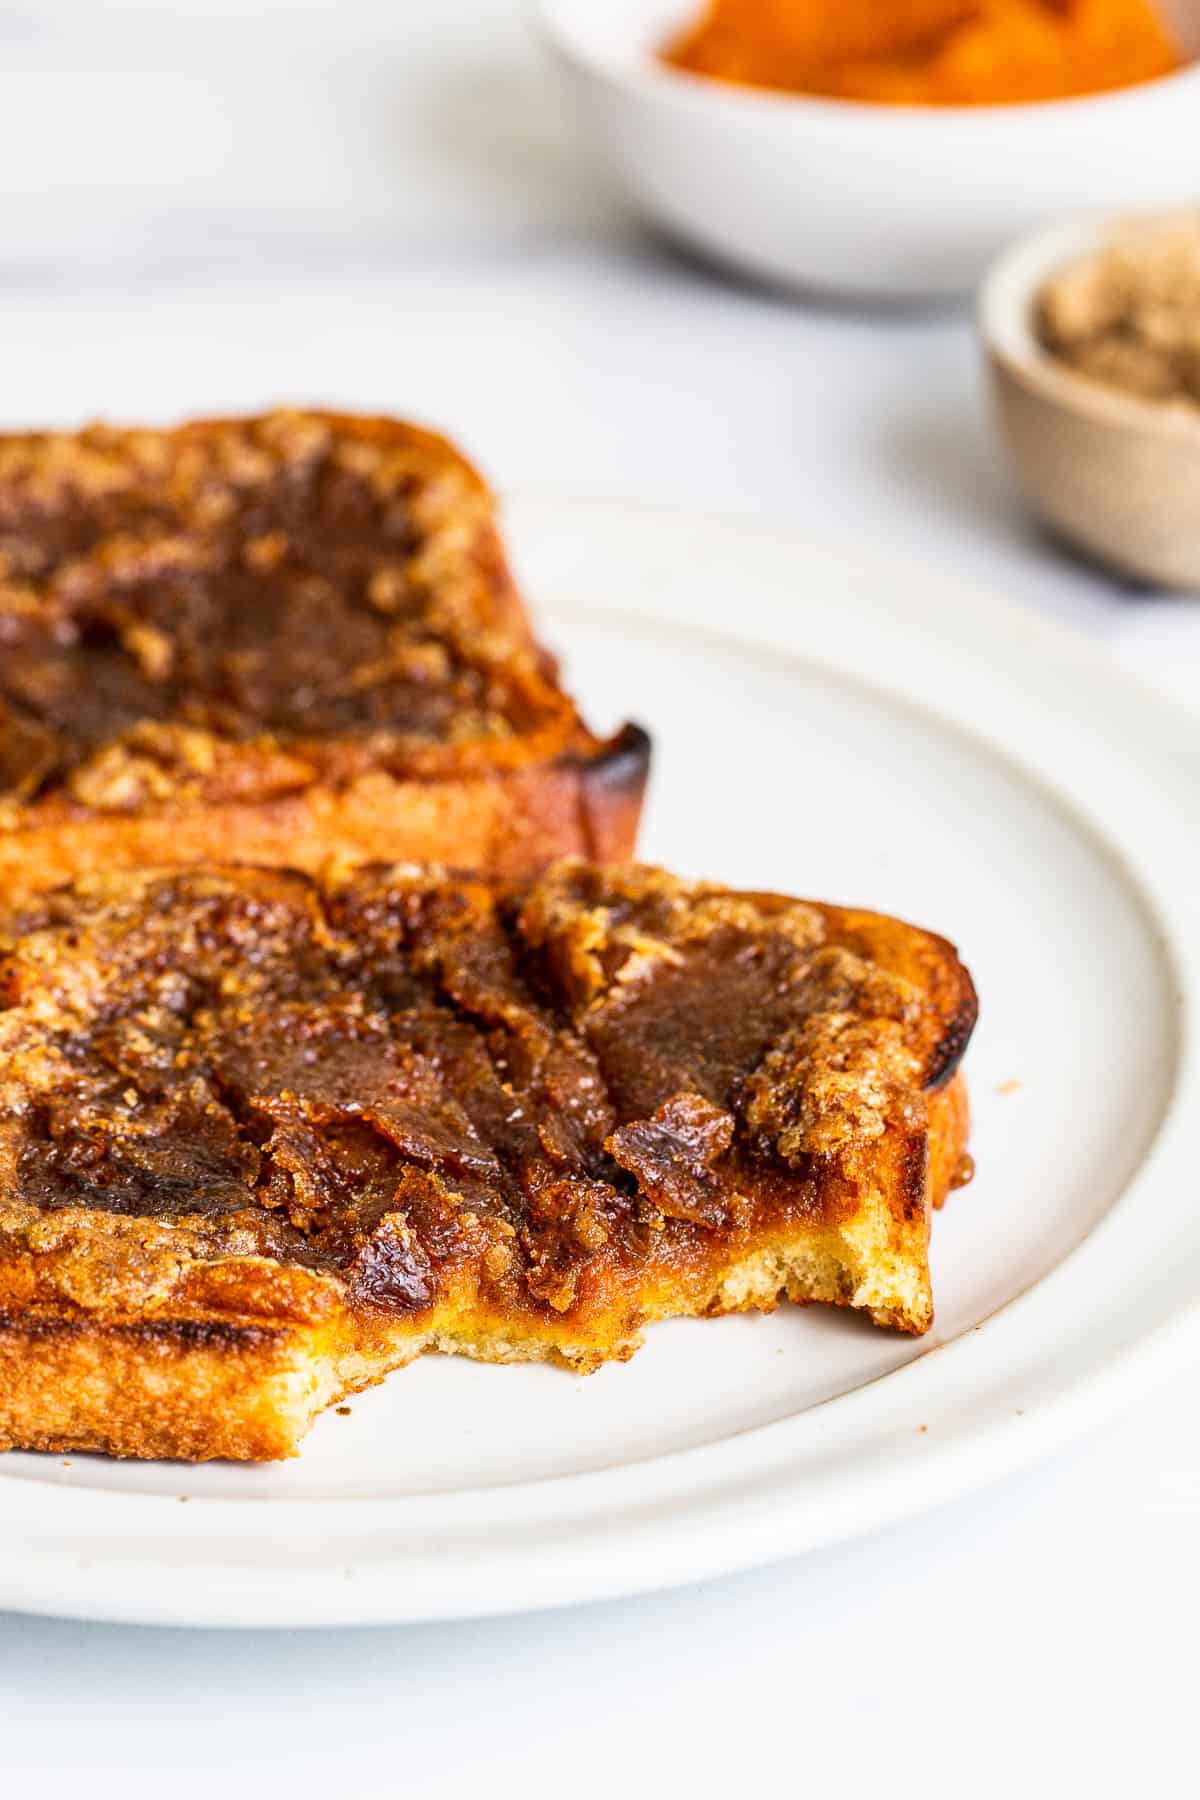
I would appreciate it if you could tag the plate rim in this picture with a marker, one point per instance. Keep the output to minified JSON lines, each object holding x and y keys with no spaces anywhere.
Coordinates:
{"x":668,"y":1532}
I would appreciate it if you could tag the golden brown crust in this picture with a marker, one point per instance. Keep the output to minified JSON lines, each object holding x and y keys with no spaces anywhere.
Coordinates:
{"x":509,"y":823}
{"x":244,"y":635}
{"x":262,"y":1140}
{"x":169,"y":1389}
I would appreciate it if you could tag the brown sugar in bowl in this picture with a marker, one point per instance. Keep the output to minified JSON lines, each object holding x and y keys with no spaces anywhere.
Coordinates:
{"x":1116,"y":474}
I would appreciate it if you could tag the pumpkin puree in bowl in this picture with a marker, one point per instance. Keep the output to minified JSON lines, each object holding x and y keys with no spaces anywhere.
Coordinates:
{"x":929,"y":52}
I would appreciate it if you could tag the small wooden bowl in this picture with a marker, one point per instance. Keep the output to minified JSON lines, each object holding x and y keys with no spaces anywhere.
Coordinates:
{"x":1117,"y":475}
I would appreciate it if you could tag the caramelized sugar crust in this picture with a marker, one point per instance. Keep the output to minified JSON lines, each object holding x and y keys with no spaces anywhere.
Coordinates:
{"x":406,"y":1110}
{"x":244,"y":607}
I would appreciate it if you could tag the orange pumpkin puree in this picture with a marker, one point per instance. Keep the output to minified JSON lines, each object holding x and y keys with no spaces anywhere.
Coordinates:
{"x":929,"y":52}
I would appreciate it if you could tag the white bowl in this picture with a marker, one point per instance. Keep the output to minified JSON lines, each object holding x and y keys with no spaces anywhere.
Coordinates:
{"x":900,"y":202}
{"x":1115,"y":474}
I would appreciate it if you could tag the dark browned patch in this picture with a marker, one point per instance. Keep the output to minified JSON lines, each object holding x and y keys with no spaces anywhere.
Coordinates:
{"x":914,"y":1175}
{"x":393,"y":1272}
{"x":612,"y":787}
{"x":951,"y":1046}
{"x":672,"y":1157}
{"x":623,"y":763}
{"x":190,"y":1334}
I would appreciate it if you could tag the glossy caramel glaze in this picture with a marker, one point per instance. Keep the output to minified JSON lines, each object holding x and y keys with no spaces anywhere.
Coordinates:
{"x":405,"y":1072}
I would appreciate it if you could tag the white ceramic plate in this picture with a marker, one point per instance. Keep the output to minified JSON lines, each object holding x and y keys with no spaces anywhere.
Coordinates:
{"x":843,"y":727}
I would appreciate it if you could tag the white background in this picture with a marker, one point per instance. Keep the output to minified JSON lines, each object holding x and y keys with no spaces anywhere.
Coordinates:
{"x":217,"y":206}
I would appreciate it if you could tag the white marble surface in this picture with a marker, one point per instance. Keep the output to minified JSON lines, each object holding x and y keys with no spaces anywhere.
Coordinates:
{"x":377,"y":205}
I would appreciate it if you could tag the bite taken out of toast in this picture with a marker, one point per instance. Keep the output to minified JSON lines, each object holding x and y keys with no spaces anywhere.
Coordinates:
{"x":264,"y":1139}
{"x":278,"y":640}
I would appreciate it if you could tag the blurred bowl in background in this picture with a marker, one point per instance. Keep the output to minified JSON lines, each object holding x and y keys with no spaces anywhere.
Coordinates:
{"x":1117,"y":475}
{"x":860,"y":199}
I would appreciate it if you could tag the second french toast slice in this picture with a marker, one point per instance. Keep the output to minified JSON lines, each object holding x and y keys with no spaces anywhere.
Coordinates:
{"x":263,"y":1139}
{"x":278,"y":640}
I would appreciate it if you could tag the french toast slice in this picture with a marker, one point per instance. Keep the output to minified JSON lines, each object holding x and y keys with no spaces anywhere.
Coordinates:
{"x":278,"y":640}
{"x":264,"y":1138}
